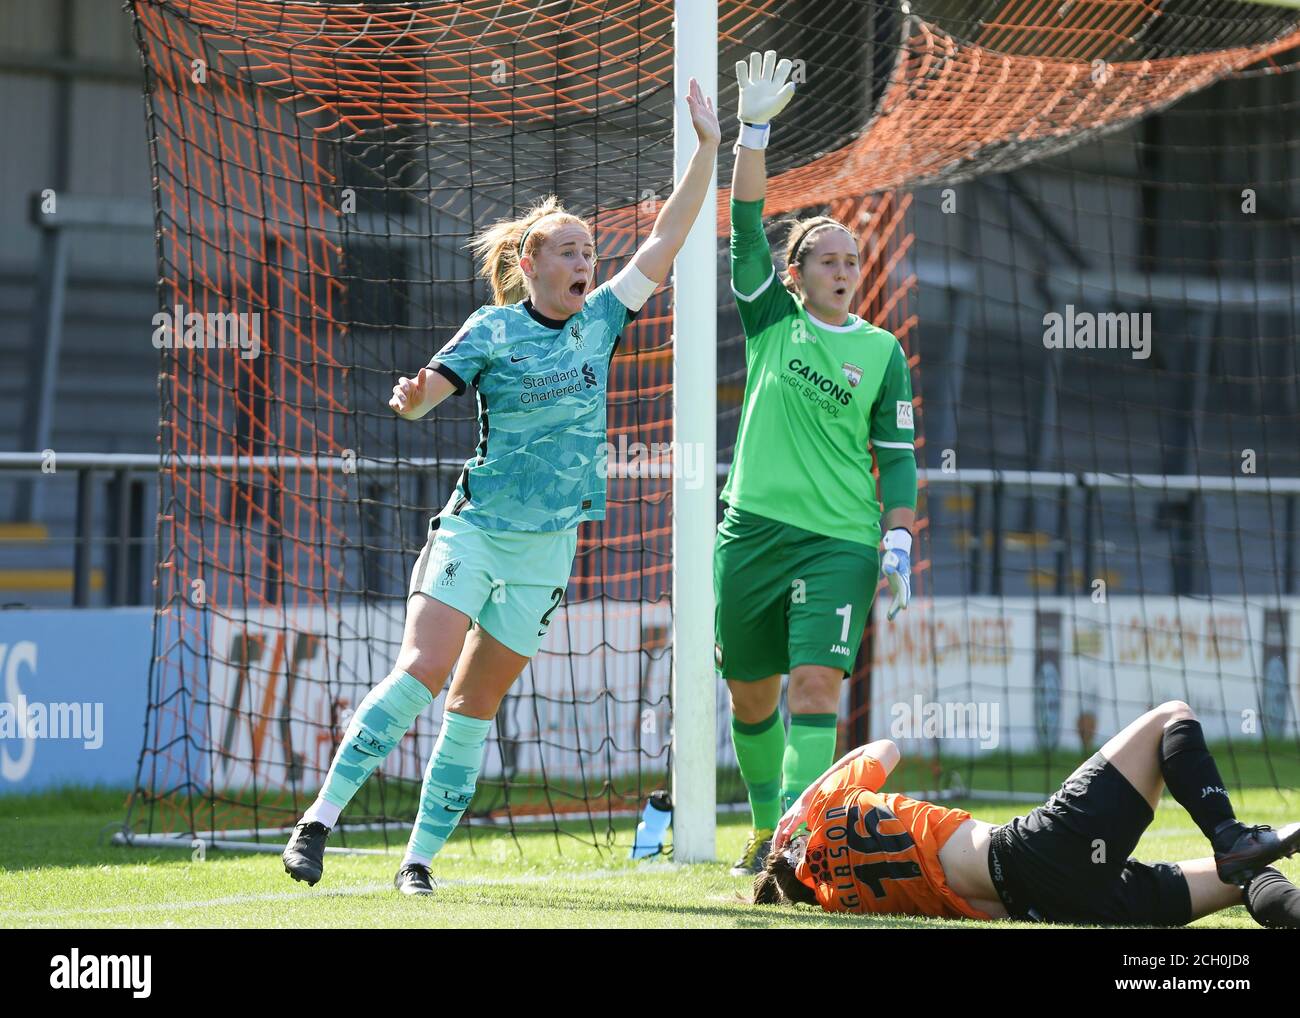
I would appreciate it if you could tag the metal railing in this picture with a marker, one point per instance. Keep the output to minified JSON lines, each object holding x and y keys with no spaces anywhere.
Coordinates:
{"x":130,"y":529}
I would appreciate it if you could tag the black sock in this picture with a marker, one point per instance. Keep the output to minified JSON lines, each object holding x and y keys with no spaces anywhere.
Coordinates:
{"x":1272,"y":900}
{"x":1193,"y":779}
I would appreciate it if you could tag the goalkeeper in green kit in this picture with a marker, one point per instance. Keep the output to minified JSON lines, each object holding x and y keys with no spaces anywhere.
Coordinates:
{"x":796,"y":562}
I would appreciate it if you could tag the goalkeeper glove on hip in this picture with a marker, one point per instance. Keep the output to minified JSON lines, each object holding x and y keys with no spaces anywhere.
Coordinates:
{"x":897,"y":567}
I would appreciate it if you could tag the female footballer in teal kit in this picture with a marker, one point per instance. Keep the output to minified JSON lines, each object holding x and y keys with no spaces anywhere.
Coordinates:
{"x":795,"y":565}
{"x":501,"y":550}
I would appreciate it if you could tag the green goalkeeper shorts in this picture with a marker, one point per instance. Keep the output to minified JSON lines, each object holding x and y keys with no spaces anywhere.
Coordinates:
{"x":508,"y":582}
{"x":786,"y":597}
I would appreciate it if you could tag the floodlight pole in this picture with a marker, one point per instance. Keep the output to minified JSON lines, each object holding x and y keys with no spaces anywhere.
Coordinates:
{"x":695,"y":369}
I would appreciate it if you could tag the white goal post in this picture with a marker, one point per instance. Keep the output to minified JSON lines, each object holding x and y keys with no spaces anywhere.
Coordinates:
{"x":695,"y":369}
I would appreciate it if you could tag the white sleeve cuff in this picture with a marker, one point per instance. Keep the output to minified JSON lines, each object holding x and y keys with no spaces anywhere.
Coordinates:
{"x":632,"y":288}
{"x":898,"y":538}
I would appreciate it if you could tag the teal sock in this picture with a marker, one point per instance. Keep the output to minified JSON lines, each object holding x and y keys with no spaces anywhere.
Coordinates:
{"x":384,"y":715}
{"x":809,"y":751}
{"x":449,"y":782}
{"x":759,"y":748}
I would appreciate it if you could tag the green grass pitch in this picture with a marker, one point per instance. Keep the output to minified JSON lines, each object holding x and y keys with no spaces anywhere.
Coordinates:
{"x":57,"y":869}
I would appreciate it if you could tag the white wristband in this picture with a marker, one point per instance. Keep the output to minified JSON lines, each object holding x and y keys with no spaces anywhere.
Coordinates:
{"x":753,"y":136}
{"x":632,"y":287}
{"x":898,"y":538}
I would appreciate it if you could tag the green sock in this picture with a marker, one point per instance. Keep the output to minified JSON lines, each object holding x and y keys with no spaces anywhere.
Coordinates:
{"x":759,"y":748}
{"x":809,"y":751}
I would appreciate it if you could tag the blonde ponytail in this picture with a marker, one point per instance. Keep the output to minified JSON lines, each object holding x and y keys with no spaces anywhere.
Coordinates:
{"x":497,"y":247}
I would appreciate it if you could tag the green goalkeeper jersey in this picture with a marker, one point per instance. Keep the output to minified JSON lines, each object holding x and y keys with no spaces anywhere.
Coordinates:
{"x":818,"y":397}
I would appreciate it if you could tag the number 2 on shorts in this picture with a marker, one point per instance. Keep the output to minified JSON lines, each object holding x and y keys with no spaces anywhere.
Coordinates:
{"x":557,"y":595}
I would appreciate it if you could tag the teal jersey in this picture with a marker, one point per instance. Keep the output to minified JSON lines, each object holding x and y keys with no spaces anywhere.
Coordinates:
{"x":541,"y":461}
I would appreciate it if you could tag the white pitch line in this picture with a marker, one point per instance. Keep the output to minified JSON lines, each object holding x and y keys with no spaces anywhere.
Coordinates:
{"x":358,"y":890}
{"x":245,"y":899}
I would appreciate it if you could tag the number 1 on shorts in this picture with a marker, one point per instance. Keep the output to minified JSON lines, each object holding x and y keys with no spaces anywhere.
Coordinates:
{"x":847,"y":612}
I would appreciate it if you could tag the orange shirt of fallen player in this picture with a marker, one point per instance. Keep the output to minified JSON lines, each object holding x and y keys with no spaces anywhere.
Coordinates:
{"x":869,"y":852}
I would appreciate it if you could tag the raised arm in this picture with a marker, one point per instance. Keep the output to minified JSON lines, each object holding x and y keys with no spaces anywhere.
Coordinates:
{"x":654,"y":259}
{"x":749,"y":173}
{"x":883,"y":751}
{"x":764,"y":92}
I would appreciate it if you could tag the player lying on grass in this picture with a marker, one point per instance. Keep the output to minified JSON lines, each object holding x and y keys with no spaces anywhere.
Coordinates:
{"x":796,"y":565}
{"x":500,"y":552}
{"x":1065,"y":861}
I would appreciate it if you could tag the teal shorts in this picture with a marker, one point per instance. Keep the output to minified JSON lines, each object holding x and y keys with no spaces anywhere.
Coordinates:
{"x":508,"y":582}
{"x":786,"y":597}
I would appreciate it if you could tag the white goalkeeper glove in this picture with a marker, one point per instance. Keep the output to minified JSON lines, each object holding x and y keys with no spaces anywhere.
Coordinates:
{"x":897,"y":567}
{"x":764,"y":92}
